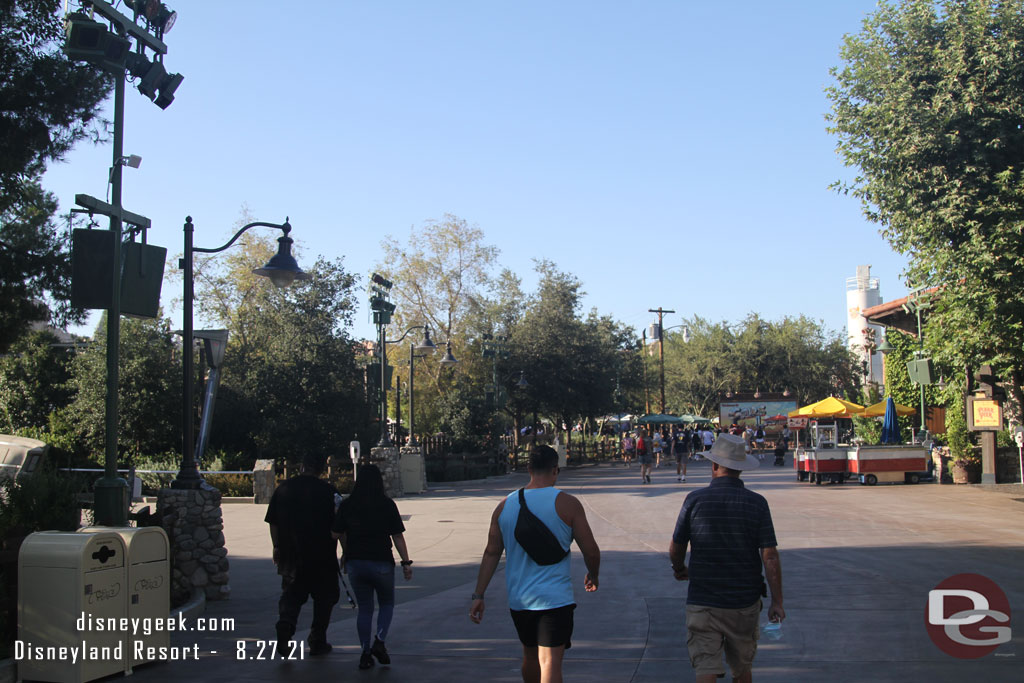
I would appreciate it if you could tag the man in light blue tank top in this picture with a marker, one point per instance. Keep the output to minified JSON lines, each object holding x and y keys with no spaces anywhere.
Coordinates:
{"x":540,"y":597}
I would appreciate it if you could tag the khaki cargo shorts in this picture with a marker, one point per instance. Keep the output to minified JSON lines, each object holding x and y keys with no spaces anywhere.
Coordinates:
{"x":709,"y":630}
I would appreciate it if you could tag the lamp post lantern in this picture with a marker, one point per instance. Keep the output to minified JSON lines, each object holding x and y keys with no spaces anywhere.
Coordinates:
{"x":282,"y":271}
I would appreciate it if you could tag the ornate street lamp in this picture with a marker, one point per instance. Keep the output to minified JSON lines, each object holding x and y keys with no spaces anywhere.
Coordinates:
{"x":282,"y":271}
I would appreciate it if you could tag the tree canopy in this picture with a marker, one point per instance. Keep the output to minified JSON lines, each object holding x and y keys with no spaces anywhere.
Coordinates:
{"x":927,"y":107}
{"x":47,"y":104}
{"x":795,"y":354}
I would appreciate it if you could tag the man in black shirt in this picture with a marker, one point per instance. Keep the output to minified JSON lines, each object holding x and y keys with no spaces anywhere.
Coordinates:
{"x":300,"y":515}
{"x":730,"y":531}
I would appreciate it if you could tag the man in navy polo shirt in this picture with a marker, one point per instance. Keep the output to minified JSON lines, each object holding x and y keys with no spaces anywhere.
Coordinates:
{"x":729,"y":530}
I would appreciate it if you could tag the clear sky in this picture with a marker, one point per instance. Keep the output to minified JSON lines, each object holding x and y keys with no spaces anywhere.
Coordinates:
{"x":666,"y":153}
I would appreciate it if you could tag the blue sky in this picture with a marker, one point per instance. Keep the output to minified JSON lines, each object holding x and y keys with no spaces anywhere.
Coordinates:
{"x":666,"y":153}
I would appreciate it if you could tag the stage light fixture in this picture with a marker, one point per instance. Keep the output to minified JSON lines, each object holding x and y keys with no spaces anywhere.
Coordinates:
{"x":167,"y":87}
{"x":157,"y":14}
{"x":92,"y":42}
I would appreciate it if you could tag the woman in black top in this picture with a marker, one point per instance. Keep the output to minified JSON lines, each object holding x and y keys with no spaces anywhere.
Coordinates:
{"x":367,"y":523}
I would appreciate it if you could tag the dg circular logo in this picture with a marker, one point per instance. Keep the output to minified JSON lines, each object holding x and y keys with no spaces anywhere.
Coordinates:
{"x":968,"y":616}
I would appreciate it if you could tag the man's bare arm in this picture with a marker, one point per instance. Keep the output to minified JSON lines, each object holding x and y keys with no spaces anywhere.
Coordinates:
{"x":570,"y":509}
{"x":773,"y":574}
{"x":274,"y":534}
{"x":677,"y":556}
{"x":488,"y":564}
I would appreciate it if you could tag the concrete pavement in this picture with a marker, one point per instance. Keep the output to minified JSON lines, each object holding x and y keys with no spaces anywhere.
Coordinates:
{"x":857,"y":565}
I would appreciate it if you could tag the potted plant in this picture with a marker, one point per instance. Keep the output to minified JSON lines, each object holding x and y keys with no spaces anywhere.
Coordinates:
{"x":964,"y":459}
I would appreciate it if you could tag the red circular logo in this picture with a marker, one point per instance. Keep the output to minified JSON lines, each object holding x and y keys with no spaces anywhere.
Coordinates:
{"x":967,"y":616}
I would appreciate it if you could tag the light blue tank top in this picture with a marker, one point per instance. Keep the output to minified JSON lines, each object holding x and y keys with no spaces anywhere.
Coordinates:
{"x":531,"y":586}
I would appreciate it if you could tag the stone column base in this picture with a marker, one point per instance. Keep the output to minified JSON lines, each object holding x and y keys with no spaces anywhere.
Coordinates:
{"x":386,"y":459}
{"x":194,"y":524}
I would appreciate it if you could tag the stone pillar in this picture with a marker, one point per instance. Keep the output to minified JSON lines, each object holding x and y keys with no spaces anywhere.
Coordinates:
{"x":263,"y":482}
{"x":195,"y":527}
{"x":386,"y":459}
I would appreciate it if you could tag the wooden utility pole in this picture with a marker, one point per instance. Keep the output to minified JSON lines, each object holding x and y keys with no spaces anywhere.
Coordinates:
{"x":661,"y":349}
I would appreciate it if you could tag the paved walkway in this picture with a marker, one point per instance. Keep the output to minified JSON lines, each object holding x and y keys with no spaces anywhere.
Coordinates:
{"x":857,"y":564}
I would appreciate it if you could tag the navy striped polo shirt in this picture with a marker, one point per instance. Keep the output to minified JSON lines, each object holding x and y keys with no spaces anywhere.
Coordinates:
{"x":725,"y":525}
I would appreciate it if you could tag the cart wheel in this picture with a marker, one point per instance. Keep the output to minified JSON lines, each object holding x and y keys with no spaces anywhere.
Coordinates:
{"x":913,"y":478}
{"x":871,"y":480}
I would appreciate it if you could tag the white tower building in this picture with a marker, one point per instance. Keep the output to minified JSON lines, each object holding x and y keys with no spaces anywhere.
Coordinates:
{"x":862,"y":337}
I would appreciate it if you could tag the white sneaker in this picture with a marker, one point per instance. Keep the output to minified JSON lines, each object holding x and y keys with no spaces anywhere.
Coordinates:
{"x":682,"y":478}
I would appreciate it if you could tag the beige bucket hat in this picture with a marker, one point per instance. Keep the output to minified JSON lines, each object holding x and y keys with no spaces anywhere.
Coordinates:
{"x":730,"y":451}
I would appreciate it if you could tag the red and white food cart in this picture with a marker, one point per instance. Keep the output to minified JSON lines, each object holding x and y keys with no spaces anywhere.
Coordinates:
{"x":872,"y":464}
{"x":826,"y":461}
{"x":801,"y":463}
{"x":827,"y":464}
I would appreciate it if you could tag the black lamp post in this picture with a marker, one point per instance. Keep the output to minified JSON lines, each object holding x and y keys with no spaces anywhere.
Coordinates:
{"x":282,"y":271}
{"x":426,"y":346}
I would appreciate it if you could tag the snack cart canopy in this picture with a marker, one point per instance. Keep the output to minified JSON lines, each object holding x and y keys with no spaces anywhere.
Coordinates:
{"x":878,"y":410}
{"x":828,"y":407}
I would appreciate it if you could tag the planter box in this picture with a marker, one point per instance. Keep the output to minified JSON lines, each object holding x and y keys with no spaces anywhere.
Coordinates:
{"x":966,"y":474}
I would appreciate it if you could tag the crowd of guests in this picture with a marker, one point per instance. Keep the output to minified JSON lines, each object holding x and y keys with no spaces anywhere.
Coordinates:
{"x":683,"y":443}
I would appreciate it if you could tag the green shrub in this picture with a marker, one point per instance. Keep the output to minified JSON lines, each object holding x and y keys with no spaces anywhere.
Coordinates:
{"x":169,"y":463}
{"x":231,"y":485}
{"x":47,"y":500}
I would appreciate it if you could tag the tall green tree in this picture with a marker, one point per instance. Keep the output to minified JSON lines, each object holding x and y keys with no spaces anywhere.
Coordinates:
{"x":149,"y":390}
{"x":795,"y":354}
{"x":33,"y":382}
{"x":442,"y":277}
{"x":571,"y":361}
{"x":47,"y":104}
{"x":927,"y":107}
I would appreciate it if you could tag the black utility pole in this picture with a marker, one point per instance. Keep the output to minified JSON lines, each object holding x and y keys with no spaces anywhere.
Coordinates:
{"x":661,"y":349}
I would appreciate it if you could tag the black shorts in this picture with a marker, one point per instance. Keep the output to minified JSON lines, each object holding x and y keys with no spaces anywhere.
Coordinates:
{"x":544,"y":628}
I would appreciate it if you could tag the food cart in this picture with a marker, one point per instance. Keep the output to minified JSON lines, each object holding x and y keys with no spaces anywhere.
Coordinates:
{"x":889,"y":463}
{"x":801,"y":463}
{"x":825,"y":460}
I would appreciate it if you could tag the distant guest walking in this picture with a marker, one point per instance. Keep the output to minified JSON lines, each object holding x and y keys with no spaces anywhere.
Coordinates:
{"x":729,"y":530}
{"x":643,"y":458}
{"x":299,"y":515}
{"x":540,"y":596}
{"x":367,"y":524}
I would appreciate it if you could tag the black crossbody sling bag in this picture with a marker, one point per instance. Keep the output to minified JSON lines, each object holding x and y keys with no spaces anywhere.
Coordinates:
{"x":534,"y":536}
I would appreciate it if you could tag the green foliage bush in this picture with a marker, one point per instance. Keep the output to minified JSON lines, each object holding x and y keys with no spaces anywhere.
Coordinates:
{"x":47,"y":500}
{"x":168,"y":463}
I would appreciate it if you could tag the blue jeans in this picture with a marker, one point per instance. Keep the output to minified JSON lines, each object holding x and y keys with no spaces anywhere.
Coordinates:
{"x":369,"y":577}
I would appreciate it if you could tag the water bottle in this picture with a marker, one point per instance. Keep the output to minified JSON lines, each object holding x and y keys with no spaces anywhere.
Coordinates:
{"x":772,"y":630}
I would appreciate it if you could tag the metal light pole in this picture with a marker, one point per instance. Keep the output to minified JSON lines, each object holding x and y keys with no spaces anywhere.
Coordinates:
{"x":412,"y":389}
{"x":429,"y":347}
{"x":111,"y":492}
{"x":282,"y":271}
{"x":661,"y":349}
{"x":110,"y":49}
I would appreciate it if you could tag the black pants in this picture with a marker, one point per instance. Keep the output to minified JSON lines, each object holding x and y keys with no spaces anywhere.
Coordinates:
{"x":322,"y":586}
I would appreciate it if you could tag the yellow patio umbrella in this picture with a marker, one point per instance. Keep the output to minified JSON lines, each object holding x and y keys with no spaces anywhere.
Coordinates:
{"x":878,"y":410}
{"x":829,"y":407}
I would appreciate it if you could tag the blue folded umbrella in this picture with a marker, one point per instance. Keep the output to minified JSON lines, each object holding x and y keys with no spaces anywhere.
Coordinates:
{"x":890,"y":423}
